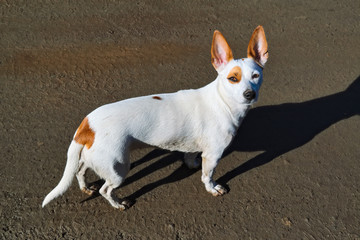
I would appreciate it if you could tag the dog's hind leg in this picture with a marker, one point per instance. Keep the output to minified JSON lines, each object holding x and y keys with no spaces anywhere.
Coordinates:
{"x":80,"y":175}
{"x":114,"y":177}
{"x":107,"y":191}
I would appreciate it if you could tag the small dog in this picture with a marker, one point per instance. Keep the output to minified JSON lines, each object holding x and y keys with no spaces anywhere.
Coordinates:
{"x":203,"y":120}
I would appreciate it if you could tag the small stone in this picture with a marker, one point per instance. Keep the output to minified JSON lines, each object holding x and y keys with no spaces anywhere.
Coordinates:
{"x":171,"y":226}
{"x":286,"y":221}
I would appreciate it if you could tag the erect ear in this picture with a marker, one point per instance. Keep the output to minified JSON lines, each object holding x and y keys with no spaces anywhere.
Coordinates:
{"x":258,"y":47}
{"x":221,"y":52}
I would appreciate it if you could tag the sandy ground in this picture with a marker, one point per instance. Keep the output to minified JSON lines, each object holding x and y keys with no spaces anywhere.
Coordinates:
{"x":293,"y":170}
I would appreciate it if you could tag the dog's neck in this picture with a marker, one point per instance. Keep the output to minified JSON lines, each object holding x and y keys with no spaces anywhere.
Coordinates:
{"x":237,"y":111}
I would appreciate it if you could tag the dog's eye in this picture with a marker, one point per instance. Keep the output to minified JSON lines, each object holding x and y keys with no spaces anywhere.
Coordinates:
{"x":255,"y":75}
{"x":233,"y":79}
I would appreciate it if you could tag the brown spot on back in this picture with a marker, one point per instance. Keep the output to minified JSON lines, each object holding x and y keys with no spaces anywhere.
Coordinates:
{"x":84,"y":134}
{"x":234,"y":75}
{"x":157,"y":97}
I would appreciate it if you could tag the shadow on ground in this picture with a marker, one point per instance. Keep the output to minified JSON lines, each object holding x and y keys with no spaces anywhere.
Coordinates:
{"x":278,"y":129}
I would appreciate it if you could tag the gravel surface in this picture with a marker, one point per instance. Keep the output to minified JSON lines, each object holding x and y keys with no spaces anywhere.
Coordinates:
{"x":293,"y":170}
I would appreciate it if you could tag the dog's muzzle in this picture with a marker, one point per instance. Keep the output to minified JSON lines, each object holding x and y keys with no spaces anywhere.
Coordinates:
{"x":249,"y":94}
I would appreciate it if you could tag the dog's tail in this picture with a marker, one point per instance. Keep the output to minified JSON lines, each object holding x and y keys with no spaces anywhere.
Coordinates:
{"x":71,"y":168}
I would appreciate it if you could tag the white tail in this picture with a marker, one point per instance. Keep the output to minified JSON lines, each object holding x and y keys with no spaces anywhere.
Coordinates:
{"x":71,"y":168}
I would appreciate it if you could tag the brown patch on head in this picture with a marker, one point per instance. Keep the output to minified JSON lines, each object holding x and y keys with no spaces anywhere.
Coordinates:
{"x":157,"y":97}
{"x":84,"y":134}
{"x":234,"y":75}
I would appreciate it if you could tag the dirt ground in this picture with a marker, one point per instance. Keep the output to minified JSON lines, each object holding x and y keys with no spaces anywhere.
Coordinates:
{"x":293,"y":170}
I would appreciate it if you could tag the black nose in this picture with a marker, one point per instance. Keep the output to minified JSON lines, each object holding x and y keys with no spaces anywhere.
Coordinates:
{"x":249,"y":94}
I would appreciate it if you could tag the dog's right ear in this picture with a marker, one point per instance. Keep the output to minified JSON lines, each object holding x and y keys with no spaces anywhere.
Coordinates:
{"x":258,"y":47}
{"x":221,"y":52}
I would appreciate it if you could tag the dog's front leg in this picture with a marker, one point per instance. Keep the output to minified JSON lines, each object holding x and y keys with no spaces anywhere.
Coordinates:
{"x":208,"y":167}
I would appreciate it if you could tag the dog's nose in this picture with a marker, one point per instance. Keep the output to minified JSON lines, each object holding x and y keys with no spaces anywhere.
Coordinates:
{"x":249,"y":94}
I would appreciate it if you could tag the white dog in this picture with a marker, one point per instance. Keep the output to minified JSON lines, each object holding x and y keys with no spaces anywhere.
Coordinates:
{"x":203,"y":120}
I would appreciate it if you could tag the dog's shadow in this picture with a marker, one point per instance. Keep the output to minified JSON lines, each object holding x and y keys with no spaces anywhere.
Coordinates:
{"x":278,"y":129}
{"x":274,"y":130}
{"x":166,"y":158}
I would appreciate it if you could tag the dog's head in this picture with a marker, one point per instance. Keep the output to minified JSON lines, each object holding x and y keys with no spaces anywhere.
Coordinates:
{"x":240,"y":79}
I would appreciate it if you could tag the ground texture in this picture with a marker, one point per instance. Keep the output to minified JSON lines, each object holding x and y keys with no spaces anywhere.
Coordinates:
{"x":293,"y":170}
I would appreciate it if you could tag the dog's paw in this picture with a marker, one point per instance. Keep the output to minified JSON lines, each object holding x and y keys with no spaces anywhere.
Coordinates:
{"x":219,"y":190}
{"x":125,"y":204}
{"x":88,"y":191}
{"x":94,"y":188}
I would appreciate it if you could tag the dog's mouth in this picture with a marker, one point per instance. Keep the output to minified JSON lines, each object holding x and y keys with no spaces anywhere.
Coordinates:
{"x":250,"y":102}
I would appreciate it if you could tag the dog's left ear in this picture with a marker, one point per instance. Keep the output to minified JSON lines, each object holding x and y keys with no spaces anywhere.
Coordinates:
{"x":221,"y":52}
{"x":258,"y":47}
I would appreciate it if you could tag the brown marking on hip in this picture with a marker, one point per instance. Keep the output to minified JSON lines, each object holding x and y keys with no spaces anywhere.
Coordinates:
{"x":84,"y":134}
